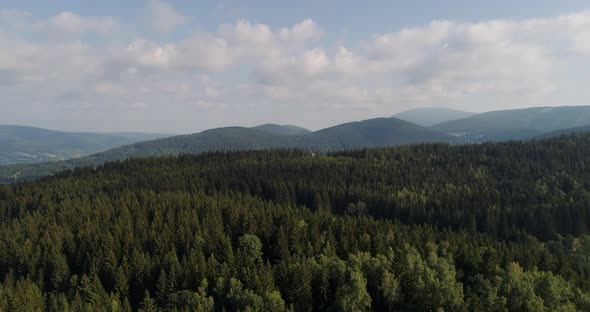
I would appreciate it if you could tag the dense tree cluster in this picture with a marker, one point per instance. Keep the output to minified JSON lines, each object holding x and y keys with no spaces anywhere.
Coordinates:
{"x":491,"y":227}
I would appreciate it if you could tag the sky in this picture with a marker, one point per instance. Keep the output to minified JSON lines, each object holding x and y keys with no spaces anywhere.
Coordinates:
{"x":186,"y":66}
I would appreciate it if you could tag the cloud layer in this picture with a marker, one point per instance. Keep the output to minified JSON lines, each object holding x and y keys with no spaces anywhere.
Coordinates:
{"x":87,"y":71}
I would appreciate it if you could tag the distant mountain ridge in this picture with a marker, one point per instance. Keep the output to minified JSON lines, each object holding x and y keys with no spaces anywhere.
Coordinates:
{"x":429,"y":116}
{"x":516,"y":124}
{"x":491,"y":126}
{"x":30,"y":144}
{"x":282,"y":129}
{"x":568,"y":131}
{"x":372,"y":132}
{"x":366,"y":133}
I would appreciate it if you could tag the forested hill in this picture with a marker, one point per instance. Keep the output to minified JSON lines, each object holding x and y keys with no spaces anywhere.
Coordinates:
{"x":515,"y":124}
{"x":370,"y":133}
{"x":568,"y":131}
{"x":366,"y":133}
{"x":430,"y":116}
{"x":434,"y":227}
{"x":282,"y":129}
{"x":20,"y":144}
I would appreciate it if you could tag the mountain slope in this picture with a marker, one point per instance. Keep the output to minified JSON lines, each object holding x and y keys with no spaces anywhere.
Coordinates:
{"x":371,"y":132}
{"x":282,"y":129}
{"x":141,"y":136}
{"x":568,"y":131}
{"x":367,"y":133}
{"x":29,"y":144}
{"x":220,"y":139}
{"x":429,"y":116}
{"x":517,"y":123}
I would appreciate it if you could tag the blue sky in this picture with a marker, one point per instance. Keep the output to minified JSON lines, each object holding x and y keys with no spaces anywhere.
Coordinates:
{"x":368,"y":18}
{"x":185,"y":66}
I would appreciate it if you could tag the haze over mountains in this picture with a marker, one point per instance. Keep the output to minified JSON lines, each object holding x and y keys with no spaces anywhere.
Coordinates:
{"x":537,"y":122}
{"x":367,"y":133}
{"x":430,"y":116}
{"x":568,"y":131}
{"x":517,"y":123}
{"x":283,"y":129}
{"x":21,"y":144}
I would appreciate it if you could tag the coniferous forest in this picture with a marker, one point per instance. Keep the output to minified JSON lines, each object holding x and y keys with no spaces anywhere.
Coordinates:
{"x":432,"y":227}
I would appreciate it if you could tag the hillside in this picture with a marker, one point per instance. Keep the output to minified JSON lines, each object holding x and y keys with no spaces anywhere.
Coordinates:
{"x":491,"y":126}
{"x":517,"y":123}
{"x":429,"y":116}
{"x":568,"y":131}
{"x":220,"y":139}
{"x":282,"y":129}
{"x":20,"y":144}
{"x":432,"y":227}
{"x":367,"y":133}
{"x":141,"y":136}
{"x":370,"y":133}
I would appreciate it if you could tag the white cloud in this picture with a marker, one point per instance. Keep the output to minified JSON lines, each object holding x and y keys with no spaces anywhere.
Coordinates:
{"x":314,"y":62}
{"x":246,"y":68}
{"x":306,"y":30}
{"x":14,"y":19}
{"x":206,"y":53}
{"x":346,"y":63}
{"x":163,"y":17}
{"x":244,"y":31}
{"x":149,"y":54}
{"x":72,"y":23}
{"x":63,"y":23}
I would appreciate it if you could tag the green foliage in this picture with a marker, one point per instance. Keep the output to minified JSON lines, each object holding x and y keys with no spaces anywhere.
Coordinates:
{"x":492,"y":227}
{"x":352,"y":295}
{"x":148,"y":304}
{"x":250,"y":248}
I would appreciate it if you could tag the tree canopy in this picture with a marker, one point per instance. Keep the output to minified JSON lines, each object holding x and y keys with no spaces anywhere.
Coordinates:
{"x":489,"y":227}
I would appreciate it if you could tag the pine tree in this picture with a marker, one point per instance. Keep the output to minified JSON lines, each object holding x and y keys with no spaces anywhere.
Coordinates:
{"x":148,"y":304}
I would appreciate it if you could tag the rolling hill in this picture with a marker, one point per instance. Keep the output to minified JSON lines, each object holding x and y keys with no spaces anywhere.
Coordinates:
{"x":367,"y":133}
{"x":537,"y":122}
{"x":568,"y":131}
{"x":282,"y":129}
{"x":516,"y":124}
{"x":21,"y":144}
{"x":430,"y":116}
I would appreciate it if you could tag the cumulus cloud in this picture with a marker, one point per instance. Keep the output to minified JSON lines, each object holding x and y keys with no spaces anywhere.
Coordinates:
{"x":14,"y":19}
{"x":63,"y":23}
{"x":69,"y":22}
{"x":163,"y":17}
{"x":149,"y":54}
{"x":205,"y":52}
{"x":245,"y":68}
{"x":301,"y":32}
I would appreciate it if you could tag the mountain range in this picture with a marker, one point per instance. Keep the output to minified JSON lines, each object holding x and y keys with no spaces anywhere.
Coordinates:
{"x":282,"y":129}
{"x":537,"y":122}
{"x":430,"y":116}
{"x":516,"y":124}
{"x":21,"y":144}
{"x":366,"y":133}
